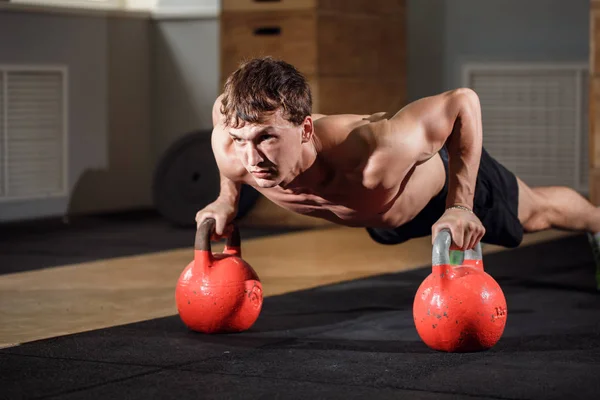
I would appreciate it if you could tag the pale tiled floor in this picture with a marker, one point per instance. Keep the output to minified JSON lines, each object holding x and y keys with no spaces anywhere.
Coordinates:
{"x":92,"y":295}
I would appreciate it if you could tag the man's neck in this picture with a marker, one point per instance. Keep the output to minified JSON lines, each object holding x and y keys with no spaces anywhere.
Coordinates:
{"x":311,"y":170}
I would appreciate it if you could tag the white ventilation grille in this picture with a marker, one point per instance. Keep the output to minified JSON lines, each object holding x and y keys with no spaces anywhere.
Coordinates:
{"x":33,"y":115}
{"x":534,"y":120}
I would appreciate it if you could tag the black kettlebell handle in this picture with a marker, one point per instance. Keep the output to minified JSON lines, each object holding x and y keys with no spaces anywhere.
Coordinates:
{"x":205,"y":232}
{"x":440,"y":254}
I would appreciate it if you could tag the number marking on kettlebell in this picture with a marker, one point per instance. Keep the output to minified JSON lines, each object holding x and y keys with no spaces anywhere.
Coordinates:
{"x":500,"y":313}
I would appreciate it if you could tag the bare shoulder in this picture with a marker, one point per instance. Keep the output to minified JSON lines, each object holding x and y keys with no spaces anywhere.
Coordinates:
{"x":411,"y":124}
{"x":366,"y":129}
{"x":342,"y":139}
{"x":347,"y":142}
{"x":436,"y":112}
{"x":334,"y":129}
{"x":222,"y":146}
{"x":413,"y":135}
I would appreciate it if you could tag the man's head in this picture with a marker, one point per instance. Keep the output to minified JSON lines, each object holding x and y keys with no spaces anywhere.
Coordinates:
{"x":267,"y":106}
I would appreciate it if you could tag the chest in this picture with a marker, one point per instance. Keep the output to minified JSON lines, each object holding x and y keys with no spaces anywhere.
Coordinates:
{"x":343,"y":196}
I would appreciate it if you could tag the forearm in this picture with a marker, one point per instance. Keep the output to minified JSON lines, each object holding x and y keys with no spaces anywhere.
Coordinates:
{"x":464,"y":149}
{"x":230,"y":191}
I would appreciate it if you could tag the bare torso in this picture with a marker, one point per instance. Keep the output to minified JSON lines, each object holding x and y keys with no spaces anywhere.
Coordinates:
{"x":343,"y":197}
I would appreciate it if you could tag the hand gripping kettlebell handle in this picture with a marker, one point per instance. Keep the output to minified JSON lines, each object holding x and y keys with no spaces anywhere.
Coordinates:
{"x":440,"y":254}
{"x":205,"y":231}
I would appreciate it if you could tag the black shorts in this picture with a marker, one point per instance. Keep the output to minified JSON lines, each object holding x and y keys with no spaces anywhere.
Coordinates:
{"x":496,"y":204}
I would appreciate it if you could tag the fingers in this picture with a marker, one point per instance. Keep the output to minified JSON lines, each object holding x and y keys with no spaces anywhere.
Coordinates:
{"x":458,"y":237}
{"x":467,"y":239}
{"x":222,"y":227}
{"x":479,"y":237}
{"x":455,"y":233}
{"x":465,"y":236}
{"x":224,"y":233}
{"x":225,"y":230}
{"x":472,"y":236}
{"x":437,"y":228}
{"x":472,"y":241}
{"x":219,"y":225}
{"x":201,"y":216}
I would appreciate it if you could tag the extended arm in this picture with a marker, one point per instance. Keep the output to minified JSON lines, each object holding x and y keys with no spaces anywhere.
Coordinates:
{"x":231,"y":174}
{"x":230,"y":171}
{"x":464,"y":147}
{"x":230,"y":191}
{"x":452,"y":118}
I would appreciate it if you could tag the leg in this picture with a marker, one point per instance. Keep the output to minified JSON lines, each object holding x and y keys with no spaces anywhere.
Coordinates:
{"x":561,"y":208}
{"x":556,"y":207}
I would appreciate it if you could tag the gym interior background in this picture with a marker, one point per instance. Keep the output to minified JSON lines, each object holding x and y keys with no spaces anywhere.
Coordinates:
{"x":101,"y":91}
{"x":136,"y":83}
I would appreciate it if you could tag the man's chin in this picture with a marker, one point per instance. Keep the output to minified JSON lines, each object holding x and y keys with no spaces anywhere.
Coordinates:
{"x":266,"y":183}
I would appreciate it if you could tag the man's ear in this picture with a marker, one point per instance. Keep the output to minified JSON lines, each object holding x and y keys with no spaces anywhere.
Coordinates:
{"x":307,"y":129}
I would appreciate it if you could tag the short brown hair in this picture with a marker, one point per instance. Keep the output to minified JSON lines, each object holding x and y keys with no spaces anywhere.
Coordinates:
{"x":260,"y":87}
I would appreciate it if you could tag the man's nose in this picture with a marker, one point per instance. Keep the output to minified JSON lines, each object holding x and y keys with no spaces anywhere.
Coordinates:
{"x":254,"y":156}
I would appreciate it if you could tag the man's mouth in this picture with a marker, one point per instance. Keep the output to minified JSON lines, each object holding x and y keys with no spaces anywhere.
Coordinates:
{"x":262,"y":173}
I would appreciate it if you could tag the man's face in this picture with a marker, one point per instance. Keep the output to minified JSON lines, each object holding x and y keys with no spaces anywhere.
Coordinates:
{"x":270,"y":151}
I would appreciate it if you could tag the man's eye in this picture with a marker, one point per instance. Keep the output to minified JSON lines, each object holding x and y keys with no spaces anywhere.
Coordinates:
{"x":268,"y":137}
{"x":238,"y":140}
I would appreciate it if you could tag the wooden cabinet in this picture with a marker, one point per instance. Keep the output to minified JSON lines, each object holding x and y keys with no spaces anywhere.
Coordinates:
{"x":353,"y":53}
{"x":337,"y":6}
{"x":289,"y":35}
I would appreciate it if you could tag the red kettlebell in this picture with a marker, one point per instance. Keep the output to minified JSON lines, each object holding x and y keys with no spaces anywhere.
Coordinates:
{"x":218,"y":292}
{"x":459,"y":308}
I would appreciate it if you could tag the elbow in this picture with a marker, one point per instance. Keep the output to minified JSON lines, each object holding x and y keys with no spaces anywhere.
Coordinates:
{"x":466,"y":102}
{"x":468,"y":117}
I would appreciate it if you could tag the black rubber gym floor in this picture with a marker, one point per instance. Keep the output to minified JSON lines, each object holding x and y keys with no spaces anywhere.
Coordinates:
{"x":348,"y":340}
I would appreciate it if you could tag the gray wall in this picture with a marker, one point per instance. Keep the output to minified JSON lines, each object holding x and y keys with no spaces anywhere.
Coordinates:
{"x":185,"y":78}
{"x":80,"y":43}
{"x":515,"y":30}
{"x":125,"y":181}
{"x":426,"y":28}
{"x":445,"y":34}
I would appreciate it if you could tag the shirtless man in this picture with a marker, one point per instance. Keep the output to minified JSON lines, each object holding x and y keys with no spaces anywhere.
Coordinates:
{"x":401,"y":176}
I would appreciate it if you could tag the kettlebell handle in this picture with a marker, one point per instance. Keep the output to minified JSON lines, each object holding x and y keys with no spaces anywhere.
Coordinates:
{"x":205,"y":231}
{"x":440,"y":254}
